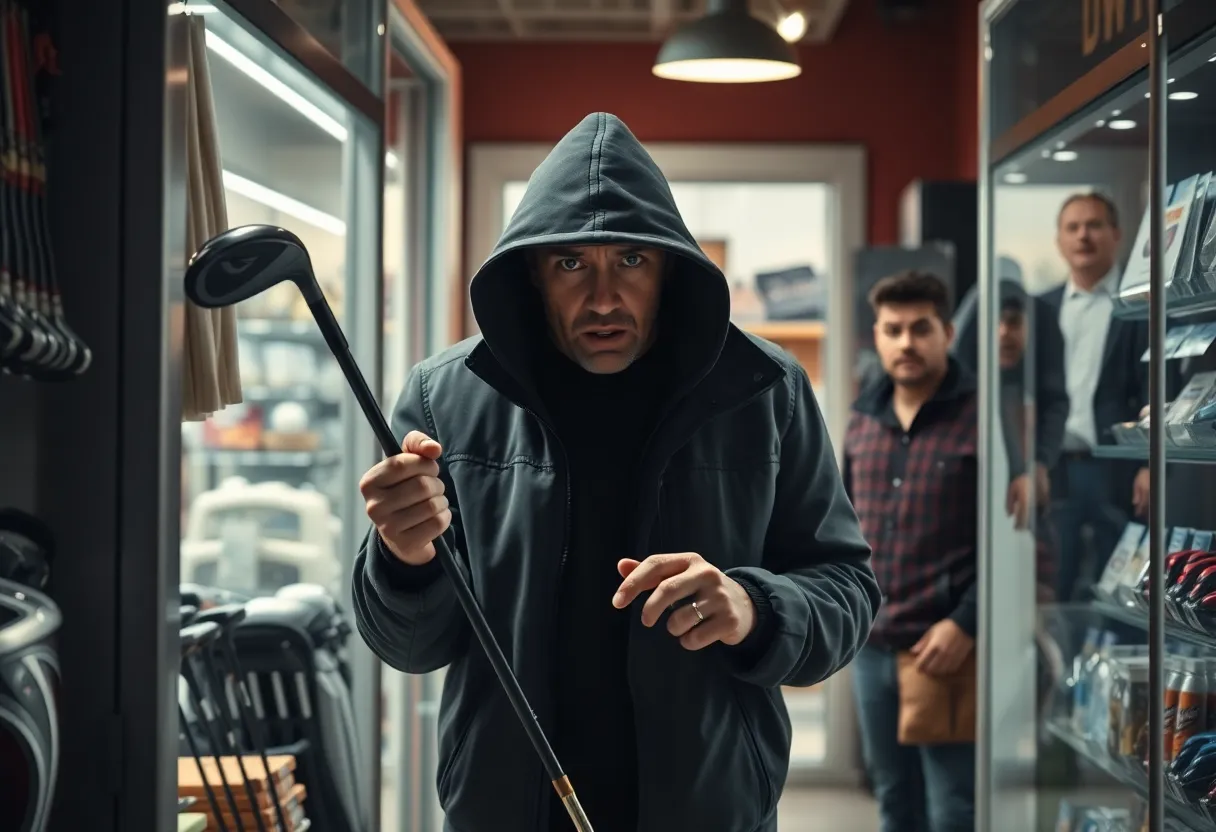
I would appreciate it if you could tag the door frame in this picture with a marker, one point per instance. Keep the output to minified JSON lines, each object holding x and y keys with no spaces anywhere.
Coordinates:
{"x":842,"y":166}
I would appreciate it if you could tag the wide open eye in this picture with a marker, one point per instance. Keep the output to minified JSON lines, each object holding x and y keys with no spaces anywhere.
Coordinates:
{"x":569,"y":264}
{"x":632,"y":261}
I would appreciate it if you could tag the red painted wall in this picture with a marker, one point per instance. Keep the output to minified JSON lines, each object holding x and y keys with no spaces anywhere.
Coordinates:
{"x":897,"y":89}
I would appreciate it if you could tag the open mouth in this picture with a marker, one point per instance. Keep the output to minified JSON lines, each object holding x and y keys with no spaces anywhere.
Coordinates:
{"x":604,"y":337}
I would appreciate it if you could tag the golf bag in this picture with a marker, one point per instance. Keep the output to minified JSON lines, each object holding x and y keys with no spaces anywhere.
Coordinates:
{"x":29,"y":708}
{"x":289,"y":649}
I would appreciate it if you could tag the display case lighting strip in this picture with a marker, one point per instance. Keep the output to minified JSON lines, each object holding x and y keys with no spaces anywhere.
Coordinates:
{"x":283,"y":203}
{"x":275,"y":86}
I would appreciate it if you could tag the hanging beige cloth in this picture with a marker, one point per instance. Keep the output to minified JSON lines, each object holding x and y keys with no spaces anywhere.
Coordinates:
{"x":211,"y":378}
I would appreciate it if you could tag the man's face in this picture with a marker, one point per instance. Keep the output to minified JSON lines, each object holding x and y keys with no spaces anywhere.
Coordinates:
{"x":1086,"y":239}
{"x":1011,"y":337}
{"x":601,"y":302}
{"x":912,"y":342}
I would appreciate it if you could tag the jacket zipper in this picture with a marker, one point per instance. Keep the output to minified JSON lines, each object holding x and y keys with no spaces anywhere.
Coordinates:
{"x":543,"y":808}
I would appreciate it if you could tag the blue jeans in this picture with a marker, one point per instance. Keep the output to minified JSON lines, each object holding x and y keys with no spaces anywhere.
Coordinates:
{"x":926,"y":788}
{"x":1083,"y":494}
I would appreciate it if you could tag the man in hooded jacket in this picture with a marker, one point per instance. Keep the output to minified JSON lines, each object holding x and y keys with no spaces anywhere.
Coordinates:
{"x":648,"y":509}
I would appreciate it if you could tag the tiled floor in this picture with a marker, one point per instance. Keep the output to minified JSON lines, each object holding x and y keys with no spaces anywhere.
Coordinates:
{"x":827,"y":810}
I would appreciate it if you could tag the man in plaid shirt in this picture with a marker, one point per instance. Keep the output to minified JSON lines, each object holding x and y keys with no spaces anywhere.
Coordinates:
{"x":910,"y":470}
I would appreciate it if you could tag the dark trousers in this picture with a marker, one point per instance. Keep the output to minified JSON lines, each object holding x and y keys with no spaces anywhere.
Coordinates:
{"x":1084,"y":497}
{"x":926,"y":788}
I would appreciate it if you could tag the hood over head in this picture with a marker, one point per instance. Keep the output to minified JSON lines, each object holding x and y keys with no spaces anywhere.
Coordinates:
{"x":599,"y":186}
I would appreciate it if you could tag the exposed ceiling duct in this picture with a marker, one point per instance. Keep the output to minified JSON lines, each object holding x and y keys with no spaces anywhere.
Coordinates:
{"x":610,"y":20}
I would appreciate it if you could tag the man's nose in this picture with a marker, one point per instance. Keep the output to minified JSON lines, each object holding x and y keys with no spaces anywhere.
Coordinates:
{"x":603,"y":292}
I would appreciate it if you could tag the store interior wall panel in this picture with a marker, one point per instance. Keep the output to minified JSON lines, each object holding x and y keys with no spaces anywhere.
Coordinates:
{"x":18,"y":451}
{"x":79,"y":419}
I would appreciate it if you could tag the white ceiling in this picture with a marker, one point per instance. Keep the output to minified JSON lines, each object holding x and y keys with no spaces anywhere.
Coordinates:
{"x":602,"y":20}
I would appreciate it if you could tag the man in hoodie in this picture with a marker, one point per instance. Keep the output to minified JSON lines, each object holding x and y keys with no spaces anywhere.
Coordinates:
{"x":647,"y":506}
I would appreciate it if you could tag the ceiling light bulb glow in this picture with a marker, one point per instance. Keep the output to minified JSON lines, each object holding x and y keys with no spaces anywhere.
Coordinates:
{"x":1065,"y":155}
{"x":792,"y":27}
{"x":1182,"y":95}
{"x":1015,"y":177}
{"x":1122,"y":124}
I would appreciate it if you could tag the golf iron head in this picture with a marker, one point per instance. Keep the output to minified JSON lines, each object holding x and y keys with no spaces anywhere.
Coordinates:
{"x":243,"y":262}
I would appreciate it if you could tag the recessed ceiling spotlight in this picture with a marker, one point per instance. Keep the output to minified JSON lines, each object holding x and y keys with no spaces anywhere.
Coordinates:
{"x":1061,"y":145}
{"x":1015,"y":177}
{"x":1114,"y":113}
{"x":1172,"y":80}
{"x":1122,"y":124}
{"x":1100,"y":123}
{"x":1065,"y":155}
{"x":1045,"y":153}
{"x":1183,"y":96}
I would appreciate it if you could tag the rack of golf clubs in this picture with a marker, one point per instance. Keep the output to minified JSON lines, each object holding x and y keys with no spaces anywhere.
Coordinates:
{"x":36,"y":341}
{"x":265,"y":712}
{"x":29,"y":675}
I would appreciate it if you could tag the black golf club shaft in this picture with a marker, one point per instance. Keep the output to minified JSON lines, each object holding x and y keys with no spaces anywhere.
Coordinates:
{"x":244,"y":704}
{"x":220,"y":693}
{"x":206,"y":781}
{"x":336,"y":341}
{"x":204,"y":718}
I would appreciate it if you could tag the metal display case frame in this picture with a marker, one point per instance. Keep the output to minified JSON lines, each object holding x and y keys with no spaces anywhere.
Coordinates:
{"x":1122,"y":41}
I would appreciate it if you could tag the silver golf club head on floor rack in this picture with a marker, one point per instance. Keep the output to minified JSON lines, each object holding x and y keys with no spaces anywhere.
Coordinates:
{"x":243,"y":262}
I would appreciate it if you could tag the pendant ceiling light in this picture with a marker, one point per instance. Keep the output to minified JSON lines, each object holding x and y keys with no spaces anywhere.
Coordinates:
{"x":727,"y":46}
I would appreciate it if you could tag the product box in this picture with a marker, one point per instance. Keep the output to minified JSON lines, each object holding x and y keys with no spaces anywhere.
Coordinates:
{"x":1125,"y":549}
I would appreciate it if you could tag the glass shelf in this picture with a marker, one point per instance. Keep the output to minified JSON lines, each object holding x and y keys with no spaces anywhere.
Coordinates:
{"x":1173,"y":453}
{"x":1175,"y":307}
{"x":1137,"y":618}
{"x":1191,"y":816}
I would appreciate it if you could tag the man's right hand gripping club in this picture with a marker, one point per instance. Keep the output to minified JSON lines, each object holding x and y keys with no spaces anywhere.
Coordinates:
{"x":405,"y":499}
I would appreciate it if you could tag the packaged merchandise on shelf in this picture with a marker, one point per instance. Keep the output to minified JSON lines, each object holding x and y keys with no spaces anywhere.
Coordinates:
{"x":1187,"y":259}
{"x":1079,"y":818}
{"x":1108,"y":585}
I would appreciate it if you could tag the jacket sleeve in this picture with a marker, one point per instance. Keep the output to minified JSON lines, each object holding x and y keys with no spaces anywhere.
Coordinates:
{"x":815,"y":593}
{"x":409,"y":615}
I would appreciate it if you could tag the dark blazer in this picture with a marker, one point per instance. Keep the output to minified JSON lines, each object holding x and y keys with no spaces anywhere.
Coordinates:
{"x":1123,"y":383}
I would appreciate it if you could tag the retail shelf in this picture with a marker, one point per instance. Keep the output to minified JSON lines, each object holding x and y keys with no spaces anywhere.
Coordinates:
{"x":284,"y":329}
{"x":270,"y":459}
{"x":1136,"y":618}
{"x":1173,"y":453}
{"x":294,"y":392}
{"x":1188,"y":815}
{"x":1174,"y":307}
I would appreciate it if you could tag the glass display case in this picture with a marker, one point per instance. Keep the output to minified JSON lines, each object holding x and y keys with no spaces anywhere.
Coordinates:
{"x":1098,"y":307}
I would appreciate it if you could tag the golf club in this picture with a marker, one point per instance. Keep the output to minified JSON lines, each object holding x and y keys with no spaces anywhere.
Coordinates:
{"x":204,"y":711}
{"x":191,"y":640}
{"x":243,"y":262}
{"x":227,"y":618}
{"x":219,"y":695}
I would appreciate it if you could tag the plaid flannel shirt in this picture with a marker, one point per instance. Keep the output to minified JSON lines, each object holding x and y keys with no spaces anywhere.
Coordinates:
{"x":915,"y":493}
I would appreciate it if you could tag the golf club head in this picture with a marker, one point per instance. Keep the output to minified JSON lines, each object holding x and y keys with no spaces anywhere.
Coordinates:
{"x":225,"y":617}
{"x":246,"y":261}
{"x":197,"y":635}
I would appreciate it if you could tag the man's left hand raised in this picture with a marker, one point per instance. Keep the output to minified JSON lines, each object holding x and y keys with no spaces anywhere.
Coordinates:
{"x":726,"y":612}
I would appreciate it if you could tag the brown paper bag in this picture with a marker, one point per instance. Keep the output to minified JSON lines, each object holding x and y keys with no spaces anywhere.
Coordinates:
{"x":934,"y":710}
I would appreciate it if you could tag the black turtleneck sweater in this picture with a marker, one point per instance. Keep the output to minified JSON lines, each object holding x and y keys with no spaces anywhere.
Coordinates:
{"x":603,"y":422}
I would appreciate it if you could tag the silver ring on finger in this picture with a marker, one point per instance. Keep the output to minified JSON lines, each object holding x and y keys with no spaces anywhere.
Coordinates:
{"x":697,"y":610}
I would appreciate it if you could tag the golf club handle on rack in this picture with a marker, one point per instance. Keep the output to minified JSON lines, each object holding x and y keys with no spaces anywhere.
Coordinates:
{"x":391,"y":447}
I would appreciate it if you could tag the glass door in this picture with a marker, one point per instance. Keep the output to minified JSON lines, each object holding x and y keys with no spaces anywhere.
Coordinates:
{"x":270,"y":485}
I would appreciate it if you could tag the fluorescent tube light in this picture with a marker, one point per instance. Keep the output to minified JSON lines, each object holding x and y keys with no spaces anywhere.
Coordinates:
{"x":276,"y":87}
{"x":284,"y":204}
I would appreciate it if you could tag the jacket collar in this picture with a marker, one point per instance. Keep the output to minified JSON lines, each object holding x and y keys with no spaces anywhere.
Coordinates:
{"x":875,"y":400}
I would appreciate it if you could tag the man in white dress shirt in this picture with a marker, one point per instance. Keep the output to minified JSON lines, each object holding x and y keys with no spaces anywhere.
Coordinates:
{"x":1107,"y":384}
